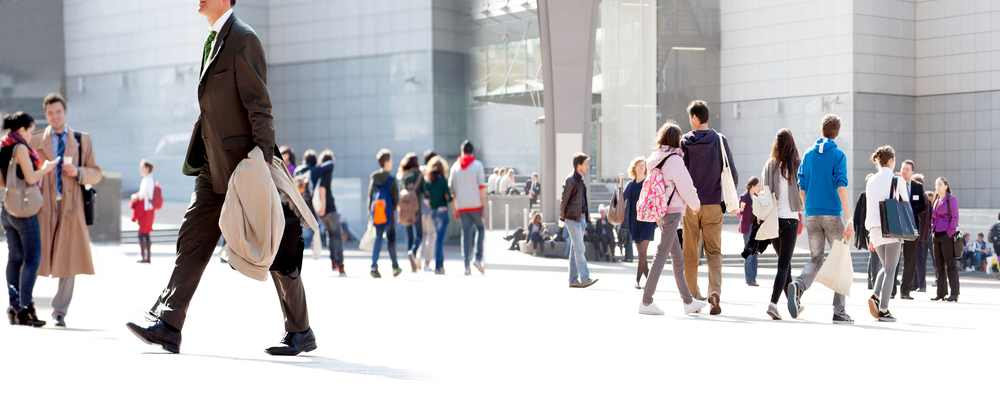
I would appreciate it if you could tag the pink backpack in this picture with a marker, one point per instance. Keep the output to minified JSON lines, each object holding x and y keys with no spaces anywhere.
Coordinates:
{"x":653,"y":200}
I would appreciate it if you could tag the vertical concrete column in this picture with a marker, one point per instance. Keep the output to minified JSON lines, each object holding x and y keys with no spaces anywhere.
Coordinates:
{"x":568,"y":30}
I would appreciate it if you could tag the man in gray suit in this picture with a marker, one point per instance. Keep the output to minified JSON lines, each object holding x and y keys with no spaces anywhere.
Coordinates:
{"x":235,"y":118}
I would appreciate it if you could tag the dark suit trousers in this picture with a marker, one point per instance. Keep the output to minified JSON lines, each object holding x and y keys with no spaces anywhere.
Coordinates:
{"x":909,"y":265}
{"x":196,"y":241}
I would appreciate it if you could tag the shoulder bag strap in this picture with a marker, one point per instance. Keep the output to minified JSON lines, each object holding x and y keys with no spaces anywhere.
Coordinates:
{"x":892,"y":188}
{"x":722,"y":144}
{"x":79,"y":148}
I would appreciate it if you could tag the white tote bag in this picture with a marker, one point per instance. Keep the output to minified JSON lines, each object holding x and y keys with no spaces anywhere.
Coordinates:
{"x":367,"y":242}
{"x":729,"y":195}
{"x":764,"y":208}
{"x":838,"y":270}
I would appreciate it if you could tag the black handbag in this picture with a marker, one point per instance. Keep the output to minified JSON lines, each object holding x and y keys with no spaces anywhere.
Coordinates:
{"x":87,"y":192}
{"x":897,"y":217}
{"x":958,"y":239}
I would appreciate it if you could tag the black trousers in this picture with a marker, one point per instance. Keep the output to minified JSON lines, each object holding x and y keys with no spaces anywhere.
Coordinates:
{"x":196,"y":242}
{"x":784,"y":245}
{"x":909,"y":266}
{"x":920,"y":277}
{"x":945,"y":267}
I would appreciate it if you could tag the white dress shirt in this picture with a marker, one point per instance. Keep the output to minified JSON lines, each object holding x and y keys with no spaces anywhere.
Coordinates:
{"x":216,"y":28}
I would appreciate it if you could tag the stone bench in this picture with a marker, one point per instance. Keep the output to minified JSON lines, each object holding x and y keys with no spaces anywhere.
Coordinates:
{"x":556,"y":251}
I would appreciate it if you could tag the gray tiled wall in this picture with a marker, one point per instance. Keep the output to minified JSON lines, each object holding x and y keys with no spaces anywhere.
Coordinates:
{"x":881,"y":120}
{"x":958,"y":137}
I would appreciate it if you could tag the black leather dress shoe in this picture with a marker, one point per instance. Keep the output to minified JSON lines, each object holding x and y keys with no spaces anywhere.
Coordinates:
{"x":294,"y":343}
{"x":157,"y":334}
{"x":952,"y":299}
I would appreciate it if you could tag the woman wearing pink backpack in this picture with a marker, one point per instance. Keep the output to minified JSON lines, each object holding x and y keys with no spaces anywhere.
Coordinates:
{"x":663,"y":200}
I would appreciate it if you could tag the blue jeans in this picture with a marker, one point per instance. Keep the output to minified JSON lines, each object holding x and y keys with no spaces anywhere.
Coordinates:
{"x":749,"y":263}
{"x":387,"y":230}
{"x":565,"y":235}
{"x":441,"y":220}
{"x":578,"y":255}
{"x":979,"y":257}
{"x":307,"y":235}
{"x":414,"y":235}
{"x":24,"y":254}
{"x":470,"y":220}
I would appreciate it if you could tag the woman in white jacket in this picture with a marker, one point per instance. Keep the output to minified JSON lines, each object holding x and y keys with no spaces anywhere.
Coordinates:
{"x":878,"y":190}
{"x":680,"y":188}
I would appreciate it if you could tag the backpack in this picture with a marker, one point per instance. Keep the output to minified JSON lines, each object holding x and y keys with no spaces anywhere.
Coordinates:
{"x":409,"y":203}
{"x":653,"y":200}
{"x":382,"y":209}
{"x":157,"y":197}
{"x":995,"y":234}
{"x":303,"y":182}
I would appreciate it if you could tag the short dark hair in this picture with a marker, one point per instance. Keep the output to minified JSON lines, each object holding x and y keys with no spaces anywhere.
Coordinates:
{"x":17,"y":121}
{"x":383,"y":156}
{"x":831,"y":126}
{"x":579,"y":158}
{"x":910,"y":163}
{"x":53,"y":98}
{"x":232,"y":3}
{"x":429,"y":155}
{"x":467,"y":148}
{"x":699,"y":109}
{"x":309,"y":157}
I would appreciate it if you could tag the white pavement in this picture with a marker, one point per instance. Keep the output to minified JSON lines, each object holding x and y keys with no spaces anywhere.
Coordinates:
{"x":518,"y":329}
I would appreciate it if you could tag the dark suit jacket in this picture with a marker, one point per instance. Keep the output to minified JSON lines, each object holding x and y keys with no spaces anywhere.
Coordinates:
{"x":919,"y":205}
{"x":235,"y":106}
{"x":530,"y":186}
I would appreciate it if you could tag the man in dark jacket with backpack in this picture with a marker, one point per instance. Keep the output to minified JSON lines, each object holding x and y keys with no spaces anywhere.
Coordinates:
{"x":383,"y":199}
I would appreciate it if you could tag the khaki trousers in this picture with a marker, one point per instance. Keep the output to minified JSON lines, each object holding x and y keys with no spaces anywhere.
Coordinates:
{"x":707,"y":226}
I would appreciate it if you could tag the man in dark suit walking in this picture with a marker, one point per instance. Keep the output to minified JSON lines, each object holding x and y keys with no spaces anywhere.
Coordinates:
{"x":235,"y":118}
{"x":918,"y":201}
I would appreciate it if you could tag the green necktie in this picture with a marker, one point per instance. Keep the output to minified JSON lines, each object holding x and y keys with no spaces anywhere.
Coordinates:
{"x":208,"y":49}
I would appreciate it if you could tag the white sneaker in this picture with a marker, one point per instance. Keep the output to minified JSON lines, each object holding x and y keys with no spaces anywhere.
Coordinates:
{"x":693,"y":307}
{"x":427,"y":267}
{"x":650,"y":309}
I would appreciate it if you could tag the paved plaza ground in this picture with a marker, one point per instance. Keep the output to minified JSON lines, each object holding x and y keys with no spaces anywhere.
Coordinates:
{"x":517,"y":330}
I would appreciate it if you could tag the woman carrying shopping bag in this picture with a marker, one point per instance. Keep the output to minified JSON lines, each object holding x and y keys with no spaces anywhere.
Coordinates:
{"x":664,"y":198}
{"x":780,"y":176}
{"x":878,"y":189}
{"x":641,"y":231}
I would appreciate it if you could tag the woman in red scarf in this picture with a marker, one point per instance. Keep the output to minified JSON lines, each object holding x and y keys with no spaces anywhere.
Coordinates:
{"x":24,"y":240}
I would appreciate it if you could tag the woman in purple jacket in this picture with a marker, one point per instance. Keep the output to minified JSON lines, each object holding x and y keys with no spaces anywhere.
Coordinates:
{"x":944,"y":224}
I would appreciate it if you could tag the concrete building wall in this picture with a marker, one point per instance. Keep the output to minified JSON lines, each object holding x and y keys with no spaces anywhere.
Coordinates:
{"x":785,"y":49}
{"x":32,"y":59}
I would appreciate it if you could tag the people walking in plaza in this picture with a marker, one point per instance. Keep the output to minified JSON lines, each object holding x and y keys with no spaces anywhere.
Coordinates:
{"x":327,"y":214}
{"x":307,"y":187}
{"x":383,"y":200}
{"x":437,"y":196}
{"x":914,"y":193}
{"x":143,"y":209}
{"x":884,"y":185}
{"x":427,"y":215}
{"x":703,"y":148}
{"x":747,"y":220}
{"x":641,"y":232}
{"x":413,"y":183}
{"x":668,"y":157}
{"x":468,"y":186}
{"x":923,"y":241}
{"x":288,"y":156}
{"x":823,"y":191}
{"x":235,"y":107}
{"x":861,"y":241}
{"x":575,"y":214}
{"x":780,"y":175}
{"x":944,"y":224}
{"x":24,"y":242}
{"x":62,"y":222}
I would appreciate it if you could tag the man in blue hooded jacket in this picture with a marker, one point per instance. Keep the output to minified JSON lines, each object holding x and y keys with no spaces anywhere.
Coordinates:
{"x":823,"y":189}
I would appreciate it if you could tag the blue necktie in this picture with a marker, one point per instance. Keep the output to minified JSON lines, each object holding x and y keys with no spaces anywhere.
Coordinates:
{"x":62,"y":148}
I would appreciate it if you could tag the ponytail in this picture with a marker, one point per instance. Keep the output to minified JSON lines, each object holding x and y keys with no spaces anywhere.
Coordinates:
{"x":16,"y":121}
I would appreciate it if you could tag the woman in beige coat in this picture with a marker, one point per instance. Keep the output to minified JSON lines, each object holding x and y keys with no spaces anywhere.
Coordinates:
{"x":65,"y":239}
